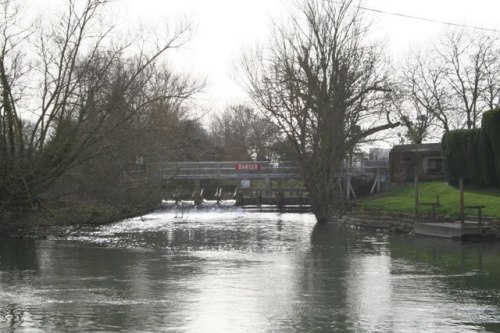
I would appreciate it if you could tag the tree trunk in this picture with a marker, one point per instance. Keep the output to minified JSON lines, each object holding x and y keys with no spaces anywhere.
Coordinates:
{"x":319,"y":192}
{"x":319,"y":210}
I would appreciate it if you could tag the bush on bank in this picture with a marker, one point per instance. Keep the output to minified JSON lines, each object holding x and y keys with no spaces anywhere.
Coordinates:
{"x":474,"y":154}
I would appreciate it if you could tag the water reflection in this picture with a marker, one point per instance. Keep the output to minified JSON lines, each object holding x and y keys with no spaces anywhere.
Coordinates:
{"x":246,"y":272}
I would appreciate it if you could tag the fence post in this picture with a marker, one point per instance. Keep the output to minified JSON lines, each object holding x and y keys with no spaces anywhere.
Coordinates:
{"x":378,"y":179}
{"x":462,"y":214}
{"x":416,"y":199}
{"x":348,"y":187}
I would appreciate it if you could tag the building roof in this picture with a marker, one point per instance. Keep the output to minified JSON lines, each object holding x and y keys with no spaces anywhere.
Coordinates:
{"x":424,"y":147}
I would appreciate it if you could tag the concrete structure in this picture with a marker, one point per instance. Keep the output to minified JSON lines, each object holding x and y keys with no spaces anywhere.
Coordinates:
{"x":423,"y":160}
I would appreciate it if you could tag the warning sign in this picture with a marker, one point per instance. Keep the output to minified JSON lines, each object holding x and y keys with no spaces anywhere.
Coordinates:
{"x":248,"y":166}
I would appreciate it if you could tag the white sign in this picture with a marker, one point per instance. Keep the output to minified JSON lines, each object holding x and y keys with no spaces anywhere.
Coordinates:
{"x":245,"y":183}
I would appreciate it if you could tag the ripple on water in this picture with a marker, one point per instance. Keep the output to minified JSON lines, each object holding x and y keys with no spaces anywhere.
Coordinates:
{"x":236,"y":271}
{"x":230,"y":231}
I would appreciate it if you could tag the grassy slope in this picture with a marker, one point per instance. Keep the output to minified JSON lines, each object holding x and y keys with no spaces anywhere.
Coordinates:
{"x":402,"y":200}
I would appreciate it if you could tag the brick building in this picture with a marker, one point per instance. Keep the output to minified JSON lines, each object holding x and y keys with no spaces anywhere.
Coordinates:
{"x":424,"y":160}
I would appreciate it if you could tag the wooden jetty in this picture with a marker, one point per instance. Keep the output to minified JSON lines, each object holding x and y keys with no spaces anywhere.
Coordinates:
{"x":449,"y":229}
{"x":459,"y":229}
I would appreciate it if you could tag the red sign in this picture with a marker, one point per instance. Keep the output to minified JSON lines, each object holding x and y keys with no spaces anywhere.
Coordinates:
{"x":247,"y":166}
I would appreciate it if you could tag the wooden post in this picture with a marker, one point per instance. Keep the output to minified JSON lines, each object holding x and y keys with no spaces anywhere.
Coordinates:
{"x":348,"y":187}
{"x":462,"y":215}
{"x":480,"y":221}
{"x":352,"y":190}
{"x":416,"y":199}
{"x":378,"y":180}
{"x":374,"y":186}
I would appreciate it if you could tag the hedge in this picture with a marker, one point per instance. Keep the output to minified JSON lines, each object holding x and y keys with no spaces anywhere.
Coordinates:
{"x":489,"y":174}
{"x":491,"y":127}
{"x":461,"y":153}
{"x":474,"y":155}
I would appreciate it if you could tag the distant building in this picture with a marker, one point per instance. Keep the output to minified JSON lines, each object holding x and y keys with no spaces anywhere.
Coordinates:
{"x":378,"y":154}
{"x":424,"y":160}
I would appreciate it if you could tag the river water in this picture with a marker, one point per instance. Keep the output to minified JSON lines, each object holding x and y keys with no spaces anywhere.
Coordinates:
{"x":246,"y":272}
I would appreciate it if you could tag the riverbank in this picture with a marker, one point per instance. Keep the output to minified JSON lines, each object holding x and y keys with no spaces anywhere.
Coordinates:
{"x":359,"y":216}
{"x":394,"y":210}
{"x":401,"y":200}
{"x":52,"y":218}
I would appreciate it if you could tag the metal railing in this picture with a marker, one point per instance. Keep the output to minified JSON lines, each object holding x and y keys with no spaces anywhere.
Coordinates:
{"x":246,"y":170}
{"x":224,"y":170}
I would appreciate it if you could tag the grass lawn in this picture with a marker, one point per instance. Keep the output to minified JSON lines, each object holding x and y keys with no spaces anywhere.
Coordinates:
{"x":402,"y":200}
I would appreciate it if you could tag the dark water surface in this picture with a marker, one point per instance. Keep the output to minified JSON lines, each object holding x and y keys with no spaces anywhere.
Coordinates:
{"x":246,"y":272}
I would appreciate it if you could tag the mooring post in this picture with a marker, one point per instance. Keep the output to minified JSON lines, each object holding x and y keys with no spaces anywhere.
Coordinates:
{"x":416,"y":199}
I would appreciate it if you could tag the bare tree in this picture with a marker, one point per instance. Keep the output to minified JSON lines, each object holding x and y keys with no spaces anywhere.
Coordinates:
{"x":320,"y":82}
{"x":456,"y":80}
{"x":241,"y":134}
{"x":424,"y":89}
{"x":420,"y":97}
{"x":470,"y":59}
{"x":82,"y":88}
{"x":416,"y":119}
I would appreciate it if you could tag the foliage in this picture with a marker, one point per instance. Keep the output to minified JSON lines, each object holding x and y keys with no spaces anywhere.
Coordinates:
{"x":81,"y":95}
{"x":461,"y":153}
{"x":487,"y":158}
{"x":473,"y":154}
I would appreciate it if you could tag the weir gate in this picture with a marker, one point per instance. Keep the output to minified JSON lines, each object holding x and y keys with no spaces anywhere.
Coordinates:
{"x":243,"y":173}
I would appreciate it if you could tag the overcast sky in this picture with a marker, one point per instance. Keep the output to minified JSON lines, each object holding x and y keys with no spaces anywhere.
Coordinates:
{"x":224,"y":28}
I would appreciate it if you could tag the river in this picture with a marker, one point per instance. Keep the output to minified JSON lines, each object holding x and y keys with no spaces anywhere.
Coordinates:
{"x":237,"y":271}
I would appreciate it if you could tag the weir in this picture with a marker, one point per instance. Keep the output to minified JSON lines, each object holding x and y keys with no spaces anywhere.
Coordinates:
{"x":255,"y":170}
{"x":281,"y":200}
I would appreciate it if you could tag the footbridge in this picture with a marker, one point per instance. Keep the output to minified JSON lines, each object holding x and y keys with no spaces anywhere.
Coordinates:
{"x":248,"y":170}
{"x":223,"y":170}
{"x":253,"y":170}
